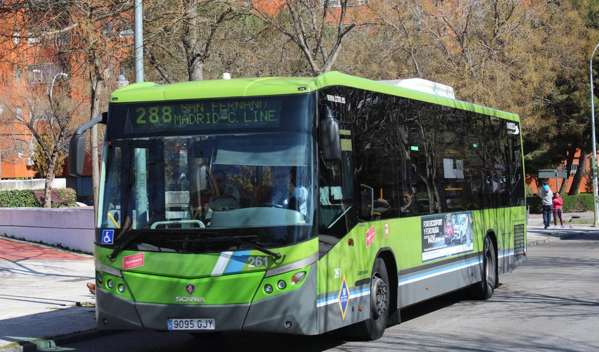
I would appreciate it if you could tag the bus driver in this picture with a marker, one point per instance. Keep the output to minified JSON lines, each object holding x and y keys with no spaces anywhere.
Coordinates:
{"x":286,"y":191}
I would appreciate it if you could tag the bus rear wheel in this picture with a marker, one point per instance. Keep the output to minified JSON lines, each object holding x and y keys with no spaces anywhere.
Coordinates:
{"x":485,"y":288}
{"x":374,"y":327}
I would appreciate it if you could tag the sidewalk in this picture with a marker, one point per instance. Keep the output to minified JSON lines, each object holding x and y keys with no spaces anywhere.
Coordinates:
{"x":576,"y":226}
{"x":577,"y":220}
{"x":42,"y":293}
{"x":43,"y":297}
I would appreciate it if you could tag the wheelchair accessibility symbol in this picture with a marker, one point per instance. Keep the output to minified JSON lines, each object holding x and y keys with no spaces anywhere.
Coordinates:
{"x":107,"y":237}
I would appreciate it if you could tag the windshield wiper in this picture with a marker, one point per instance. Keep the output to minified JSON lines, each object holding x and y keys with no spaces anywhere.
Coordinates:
{"x":253,"y":242}
{"x":208,"y":237}
{"x":122,"y":240}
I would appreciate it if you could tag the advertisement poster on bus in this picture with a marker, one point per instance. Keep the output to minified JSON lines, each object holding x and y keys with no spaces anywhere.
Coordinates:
{"x":444,"y":235}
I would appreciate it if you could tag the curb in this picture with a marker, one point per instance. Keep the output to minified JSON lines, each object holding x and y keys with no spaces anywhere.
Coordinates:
{"x":51,"y":343}
{"x":539,"y":241}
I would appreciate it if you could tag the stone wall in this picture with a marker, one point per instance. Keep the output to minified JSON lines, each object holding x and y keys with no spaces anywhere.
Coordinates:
{"x":68,"y":227}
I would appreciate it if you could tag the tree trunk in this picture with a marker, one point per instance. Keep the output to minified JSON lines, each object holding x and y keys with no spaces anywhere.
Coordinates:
{"x":578,"y":176}
{"x":197,"y":71}
{"x":48,"y":182}
{"x":196,"y":67}
{"x":569,"y":163}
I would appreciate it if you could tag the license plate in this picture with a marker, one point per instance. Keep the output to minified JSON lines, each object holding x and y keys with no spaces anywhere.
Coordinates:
{"x":190,"y":324}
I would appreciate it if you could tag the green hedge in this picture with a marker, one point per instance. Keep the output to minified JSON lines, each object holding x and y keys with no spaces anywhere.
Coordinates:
{"x":18,"y":199}
{"x":575,"y":203}
{"x":65,"y":197}
{"x":61,"y":198}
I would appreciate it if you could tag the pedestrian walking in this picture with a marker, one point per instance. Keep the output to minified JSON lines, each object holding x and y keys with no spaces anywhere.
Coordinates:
{"x":547,"y":199}
{"x":558,"y":203}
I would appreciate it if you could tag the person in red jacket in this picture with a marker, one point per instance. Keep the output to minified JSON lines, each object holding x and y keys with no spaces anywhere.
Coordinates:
{"x":558,"y":202}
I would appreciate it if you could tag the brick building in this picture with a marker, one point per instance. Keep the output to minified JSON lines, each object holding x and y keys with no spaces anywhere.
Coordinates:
{"x":556,"y":183}
{"x":31,"y":66}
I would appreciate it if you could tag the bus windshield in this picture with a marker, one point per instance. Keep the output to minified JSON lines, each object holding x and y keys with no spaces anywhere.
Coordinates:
{"x":209,"y":182}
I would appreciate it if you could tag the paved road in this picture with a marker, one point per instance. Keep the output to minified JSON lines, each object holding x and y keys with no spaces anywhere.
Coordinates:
{"x":550,"y":303}
{"x":36,"y":279}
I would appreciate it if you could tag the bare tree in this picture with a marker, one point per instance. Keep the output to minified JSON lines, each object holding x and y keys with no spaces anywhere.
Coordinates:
{"x":317,"y":28}
{"x":180,"y":35}
{"x":88,"y":38}
{"x":49,"y":119}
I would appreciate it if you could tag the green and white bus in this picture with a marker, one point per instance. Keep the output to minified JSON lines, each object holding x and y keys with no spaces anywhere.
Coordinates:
{"x":299,"y":205}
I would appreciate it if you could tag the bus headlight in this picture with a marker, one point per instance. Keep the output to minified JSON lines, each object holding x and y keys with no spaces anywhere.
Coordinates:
{"x":268,"y":288}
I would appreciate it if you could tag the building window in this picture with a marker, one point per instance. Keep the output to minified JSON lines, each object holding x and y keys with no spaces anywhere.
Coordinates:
{"x":128,"y":32}
{"x":21,"y":148}
{"x":32,"y":40}
{"x":331,"y":3}
{"x":339,"y":3}
{"x":42,"y":73}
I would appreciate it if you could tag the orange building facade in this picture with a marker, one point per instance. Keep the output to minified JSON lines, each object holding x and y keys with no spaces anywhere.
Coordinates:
{"x":30,"y":67}
{"x":585,"y":185}
{"x":20,"y":73}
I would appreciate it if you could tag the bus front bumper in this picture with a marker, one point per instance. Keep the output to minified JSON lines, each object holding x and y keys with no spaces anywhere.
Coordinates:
{"x":291,"y":313}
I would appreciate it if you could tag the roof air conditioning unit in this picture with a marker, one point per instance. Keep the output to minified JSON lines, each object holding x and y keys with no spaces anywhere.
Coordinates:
{"x":423,"y":85}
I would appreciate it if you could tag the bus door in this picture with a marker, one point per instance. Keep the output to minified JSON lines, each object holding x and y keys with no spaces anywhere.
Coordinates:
{"x":341,"y":257}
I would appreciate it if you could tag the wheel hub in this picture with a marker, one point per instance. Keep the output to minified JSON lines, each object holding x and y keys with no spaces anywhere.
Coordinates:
{"x":380,"y":298}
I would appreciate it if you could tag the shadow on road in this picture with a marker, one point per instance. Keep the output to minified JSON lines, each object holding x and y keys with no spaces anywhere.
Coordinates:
{"x":332,"y":340}
{"x":418,"y":341}
{"x":57,"y":322}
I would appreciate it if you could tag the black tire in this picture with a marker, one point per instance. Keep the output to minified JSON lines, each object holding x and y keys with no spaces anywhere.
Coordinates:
{"x":380,"y":298}
{"x":485,"y":288}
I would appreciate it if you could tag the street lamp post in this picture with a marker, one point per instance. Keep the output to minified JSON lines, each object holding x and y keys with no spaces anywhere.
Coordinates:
{"x":594,"y":143}
{"x":139,"y":42}
{"x":62,"y":74}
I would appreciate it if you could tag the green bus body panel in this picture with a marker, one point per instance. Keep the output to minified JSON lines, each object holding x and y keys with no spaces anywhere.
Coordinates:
{"x":212,"y":290}
{"x":164,"y":276}
{"x":248,"y":87}
{"x":352,"y":258}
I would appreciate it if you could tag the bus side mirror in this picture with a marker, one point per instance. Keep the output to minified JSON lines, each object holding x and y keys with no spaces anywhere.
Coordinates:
{"x":77,"y":146}
{"x":76,"y":155}
{"x":330,"y":143}
{"x":366,"y":202}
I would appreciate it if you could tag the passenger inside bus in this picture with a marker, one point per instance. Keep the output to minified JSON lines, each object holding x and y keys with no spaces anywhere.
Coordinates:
{"x":226,"y":191}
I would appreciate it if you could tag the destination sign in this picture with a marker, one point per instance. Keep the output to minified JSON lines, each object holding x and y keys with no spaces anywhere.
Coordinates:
{"x":204,"y":116}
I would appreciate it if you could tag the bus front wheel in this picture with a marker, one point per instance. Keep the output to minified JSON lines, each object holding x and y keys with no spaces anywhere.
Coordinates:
{"x":374,"y":327}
